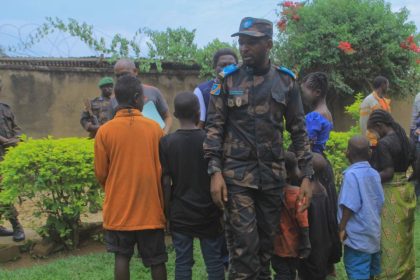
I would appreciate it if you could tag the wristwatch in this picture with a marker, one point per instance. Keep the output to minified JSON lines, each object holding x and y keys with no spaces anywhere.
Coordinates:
{"x":310,"y":177}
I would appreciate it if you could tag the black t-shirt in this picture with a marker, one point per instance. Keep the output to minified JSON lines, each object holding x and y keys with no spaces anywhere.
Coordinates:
{"x":388,"y":153}
{"x":192,"y":210}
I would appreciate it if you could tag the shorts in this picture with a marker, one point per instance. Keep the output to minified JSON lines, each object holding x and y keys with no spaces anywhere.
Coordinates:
{"x":360,"y":265}
{"x":150,"y":244}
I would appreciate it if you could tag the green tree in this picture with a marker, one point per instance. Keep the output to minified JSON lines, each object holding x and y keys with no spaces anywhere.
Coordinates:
{"x":172,"y":45}
{"x":310,"y":37}
{"x":175,"y":45}
{"x":204,"y":56}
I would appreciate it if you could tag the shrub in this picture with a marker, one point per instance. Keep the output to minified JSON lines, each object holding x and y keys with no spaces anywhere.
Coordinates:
{"x":58,"y":175}
{"x":337,"y":144}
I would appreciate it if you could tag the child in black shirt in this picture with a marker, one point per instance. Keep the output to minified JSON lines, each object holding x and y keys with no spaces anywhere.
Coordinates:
{"x":188,"y":204}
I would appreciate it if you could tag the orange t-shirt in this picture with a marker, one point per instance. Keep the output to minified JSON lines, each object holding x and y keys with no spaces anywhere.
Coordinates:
{"x":127,"y":166}
{"x":286,"y":243}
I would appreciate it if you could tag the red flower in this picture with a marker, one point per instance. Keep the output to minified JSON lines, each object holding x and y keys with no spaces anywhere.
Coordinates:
{"x":414,"y":47}
{"x":410,"y":39}
{"x":296,"y":17}
{"x":409,"y":44}
{"x":281,"y":24}
{"x":403,"y":45}
{"x":288,"y":4}
{"x":346,"y":47}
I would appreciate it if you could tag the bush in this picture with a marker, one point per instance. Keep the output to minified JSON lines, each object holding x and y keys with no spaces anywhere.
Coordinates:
{"x":58,"y":175}
{"x":337,"y":144}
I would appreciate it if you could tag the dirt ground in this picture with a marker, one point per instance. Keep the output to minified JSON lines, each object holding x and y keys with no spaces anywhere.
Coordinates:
{"x":26,"y":260}
{"x":26,"y":217}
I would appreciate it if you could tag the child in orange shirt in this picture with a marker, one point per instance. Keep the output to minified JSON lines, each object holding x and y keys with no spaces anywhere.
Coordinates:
{"x":292,"y":243}
{"x":127,"y":166}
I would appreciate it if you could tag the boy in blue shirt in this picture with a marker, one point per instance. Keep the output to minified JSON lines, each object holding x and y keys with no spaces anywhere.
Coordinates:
{"x":359,"y":213}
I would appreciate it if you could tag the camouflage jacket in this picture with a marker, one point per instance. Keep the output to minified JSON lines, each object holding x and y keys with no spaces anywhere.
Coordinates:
{"x":8,"y":127}
{"x":245,"y":127}
{"x":101,"y":108}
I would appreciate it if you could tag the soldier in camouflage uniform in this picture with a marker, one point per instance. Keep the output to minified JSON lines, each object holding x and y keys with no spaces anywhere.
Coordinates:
{"x":99,"y":110}
{"x":244,"y":146}
{"x":9,"y":136}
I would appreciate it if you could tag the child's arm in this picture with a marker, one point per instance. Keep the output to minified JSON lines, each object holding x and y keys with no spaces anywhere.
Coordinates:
{"x":347,"y":213}
{"x":349,"y":201}
{"x":166,"y":185}
{"x":166,"y":178}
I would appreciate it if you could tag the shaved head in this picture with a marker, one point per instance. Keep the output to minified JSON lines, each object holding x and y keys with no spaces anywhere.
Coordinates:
{"x":187,"y":106}
{"x":358,"y":149}
{"x":318,"y":162}
{"x":125,"y":66}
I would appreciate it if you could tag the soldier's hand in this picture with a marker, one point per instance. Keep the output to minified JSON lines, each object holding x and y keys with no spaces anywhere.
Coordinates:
{"x":218,"y":190}
{"x":3,"y":140}
{"x":305,"y":194}
{"x":11,"y":142}
{"x":92,"y":127}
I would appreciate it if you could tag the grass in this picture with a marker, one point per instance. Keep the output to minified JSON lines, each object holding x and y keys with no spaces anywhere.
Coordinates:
{"x":100,"y":266}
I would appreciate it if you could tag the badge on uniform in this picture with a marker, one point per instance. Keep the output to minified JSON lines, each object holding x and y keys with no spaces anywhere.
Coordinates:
{"x":231,"y":103}
{"x":215,"y":89}
{"x":236,"y":92}
{"x":238,"y":101}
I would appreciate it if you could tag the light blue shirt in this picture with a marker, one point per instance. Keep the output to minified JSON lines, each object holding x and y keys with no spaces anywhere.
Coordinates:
{"x":362,"y":193}
{"x":203,"y":110}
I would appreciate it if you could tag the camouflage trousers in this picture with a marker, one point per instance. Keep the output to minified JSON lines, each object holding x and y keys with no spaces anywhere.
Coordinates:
{"x":8,"y":212}
{"x":252,"y":219}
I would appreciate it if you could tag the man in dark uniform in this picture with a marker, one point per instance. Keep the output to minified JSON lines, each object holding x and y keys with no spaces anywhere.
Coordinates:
{"x":99,"y":110}
{"x":244,"y":146}
{"x":9,"y":136}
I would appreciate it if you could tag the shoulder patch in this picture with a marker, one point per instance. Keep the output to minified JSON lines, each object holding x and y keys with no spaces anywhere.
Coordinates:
{"x":228,"y":70}
{"x":287,"y":71}
{"x":215,"y":89}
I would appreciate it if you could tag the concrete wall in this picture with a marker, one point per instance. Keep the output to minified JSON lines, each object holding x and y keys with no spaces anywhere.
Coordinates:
{"x":47,"y":94}
{"x":401,"y":111}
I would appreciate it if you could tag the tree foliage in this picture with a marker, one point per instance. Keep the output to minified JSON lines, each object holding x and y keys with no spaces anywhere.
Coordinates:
{"x":174,"y":44}
{"x":204,"y":56}
{"x":352,"y":40}
{"x":58,"y":175}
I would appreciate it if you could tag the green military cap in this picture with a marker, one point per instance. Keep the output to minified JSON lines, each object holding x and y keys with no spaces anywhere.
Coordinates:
{"x":105,"y":81}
